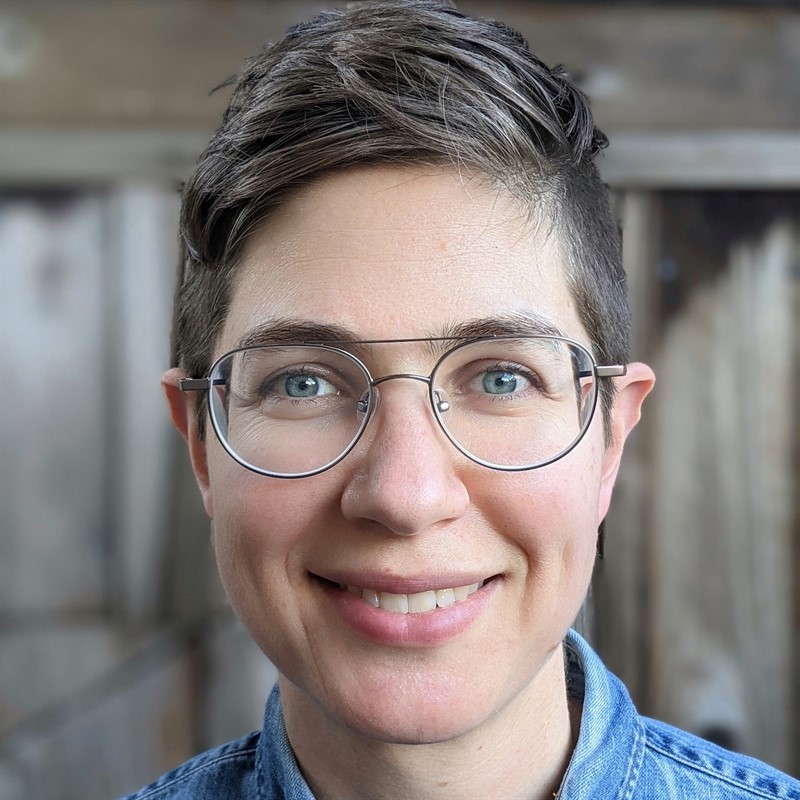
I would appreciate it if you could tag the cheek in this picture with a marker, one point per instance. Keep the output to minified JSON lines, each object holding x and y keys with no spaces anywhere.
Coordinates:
{"x":547,"y":508}
{"x":549,"y":518}
{"x":263,"y":525}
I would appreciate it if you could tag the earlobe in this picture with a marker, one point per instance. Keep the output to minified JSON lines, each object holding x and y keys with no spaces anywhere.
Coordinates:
{"x":625,"y":413}
{"x":182,"y":411}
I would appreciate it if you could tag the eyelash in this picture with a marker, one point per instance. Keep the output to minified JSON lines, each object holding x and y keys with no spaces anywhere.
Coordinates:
{"x":299,"y":372}
{"x":518,"y":369}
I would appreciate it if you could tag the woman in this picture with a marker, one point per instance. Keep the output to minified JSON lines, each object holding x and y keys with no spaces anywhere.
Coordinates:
{"x":401,"y":341}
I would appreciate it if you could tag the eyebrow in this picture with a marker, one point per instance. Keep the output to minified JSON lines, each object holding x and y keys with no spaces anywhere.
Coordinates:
{"x":522,"y":323}
{"x":299,"y":331}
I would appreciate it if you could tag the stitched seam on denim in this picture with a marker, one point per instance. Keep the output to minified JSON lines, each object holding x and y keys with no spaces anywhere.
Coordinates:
{"x":634,"y":764}
{"x":200,"y":767}
{"x":755,"y":792}
{"x":261,"y":778}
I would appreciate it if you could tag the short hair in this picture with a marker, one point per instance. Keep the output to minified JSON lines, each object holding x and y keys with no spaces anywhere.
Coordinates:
{"x":406,"y":83}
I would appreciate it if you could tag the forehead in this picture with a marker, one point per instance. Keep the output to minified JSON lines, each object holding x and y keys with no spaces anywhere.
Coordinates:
{"x":390,"y":253}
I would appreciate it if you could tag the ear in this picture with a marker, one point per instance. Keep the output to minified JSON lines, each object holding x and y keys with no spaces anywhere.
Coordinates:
{"x":182,"y":409}
{"x":632,"y":388}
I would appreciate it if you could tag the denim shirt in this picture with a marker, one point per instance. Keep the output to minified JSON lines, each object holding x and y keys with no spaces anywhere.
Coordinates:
{"x":619,"y":756}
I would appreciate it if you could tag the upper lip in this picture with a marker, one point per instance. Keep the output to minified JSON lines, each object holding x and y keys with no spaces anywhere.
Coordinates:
{"x":403,"y":584}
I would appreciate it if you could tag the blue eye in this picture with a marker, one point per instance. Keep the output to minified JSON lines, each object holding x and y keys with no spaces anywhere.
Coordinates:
{"x":307,"y":386}
{"x":502,"y":382}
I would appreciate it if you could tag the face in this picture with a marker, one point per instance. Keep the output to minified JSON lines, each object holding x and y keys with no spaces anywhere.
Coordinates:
{"x":397,"y":254}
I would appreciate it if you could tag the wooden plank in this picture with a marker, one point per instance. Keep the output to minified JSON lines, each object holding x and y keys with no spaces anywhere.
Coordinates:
{"x":58,"y":158}
{"x":151,"y":64}
{"x":241,"y":680}
{"x":622,"y":578}
{"x":689,"y":159}
{"x":721,"y":522}
{"x":72,"y":692}
{"x":106,"y":749}
{"x":39,"y":666}
{"x":703,"y":160}
{"x":143,"y":249}
{"x":694,"y":600}
{"x":53,"y":492}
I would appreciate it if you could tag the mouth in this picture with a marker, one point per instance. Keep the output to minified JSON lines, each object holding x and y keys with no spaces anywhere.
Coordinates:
{"x":412,"y":603}
{"x":423,"y":610}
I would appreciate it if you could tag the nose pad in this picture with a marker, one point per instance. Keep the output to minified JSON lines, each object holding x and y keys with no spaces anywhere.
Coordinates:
{"x":440,"y":401}
{"x":364,"y":406}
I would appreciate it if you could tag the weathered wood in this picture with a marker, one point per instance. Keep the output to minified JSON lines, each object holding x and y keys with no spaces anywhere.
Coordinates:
{"x":716,"y":581}
{"x":642,"y":160}
{"x":152,"y":64}
{"x":105,"y":719}
{"x":693,"y":609}
{"x":622,"y":579}
{"x":143,"y":221}
{"x":703,"y":160}
{"x":242,"y":679}
{"x":108,"y":748}
{"x":794,"y":645}
{"x":40,"y":665}
{"x":53,"y":490}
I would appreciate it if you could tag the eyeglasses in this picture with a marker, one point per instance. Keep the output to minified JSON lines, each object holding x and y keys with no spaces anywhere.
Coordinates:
{"x":506,"y":402}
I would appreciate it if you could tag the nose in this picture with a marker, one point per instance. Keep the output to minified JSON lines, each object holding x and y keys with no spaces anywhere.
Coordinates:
{"x":403,"y":477}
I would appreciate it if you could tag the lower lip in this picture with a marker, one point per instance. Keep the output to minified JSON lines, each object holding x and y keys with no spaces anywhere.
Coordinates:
{"x":425,"y":629}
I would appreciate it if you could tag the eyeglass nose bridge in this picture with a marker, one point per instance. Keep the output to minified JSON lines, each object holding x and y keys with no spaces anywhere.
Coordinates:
{"x":441,"y":405}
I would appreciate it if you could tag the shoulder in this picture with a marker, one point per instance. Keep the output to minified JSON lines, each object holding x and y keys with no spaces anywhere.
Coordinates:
{"x":676,"y":764}
{"x":224,"y":773}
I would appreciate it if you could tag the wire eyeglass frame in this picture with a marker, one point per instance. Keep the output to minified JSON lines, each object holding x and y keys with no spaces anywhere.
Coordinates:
{"x":368,"y":403}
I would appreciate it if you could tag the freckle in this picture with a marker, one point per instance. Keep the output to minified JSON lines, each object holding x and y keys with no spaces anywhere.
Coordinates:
{"x":442,"y":246}
{"x":443,"y":783}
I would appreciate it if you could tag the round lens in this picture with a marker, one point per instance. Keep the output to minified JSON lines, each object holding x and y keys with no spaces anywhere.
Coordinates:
{"x":289,"y":410}
{"x":515,"y":403}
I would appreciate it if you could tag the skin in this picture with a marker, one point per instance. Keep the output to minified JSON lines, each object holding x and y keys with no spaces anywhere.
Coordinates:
{"x":395,"y":253}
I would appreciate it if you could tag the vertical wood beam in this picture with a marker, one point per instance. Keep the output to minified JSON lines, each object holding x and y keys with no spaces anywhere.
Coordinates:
{"x":622,"y":579}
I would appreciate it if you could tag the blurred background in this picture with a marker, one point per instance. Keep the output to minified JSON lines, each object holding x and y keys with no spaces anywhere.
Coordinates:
{"x":118,"y":655}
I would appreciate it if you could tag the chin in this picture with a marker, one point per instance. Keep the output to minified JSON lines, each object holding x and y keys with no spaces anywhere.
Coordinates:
{"x":413,"y":710}
{"x":413,"y":726}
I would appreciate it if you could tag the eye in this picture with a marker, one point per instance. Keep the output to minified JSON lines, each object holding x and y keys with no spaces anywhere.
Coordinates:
{"x":302,"y":385}
{"x":503,"y":381}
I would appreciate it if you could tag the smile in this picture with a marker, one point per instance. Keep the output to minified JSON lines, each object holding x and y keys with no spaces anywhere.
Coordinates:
{"x":375,"y":605}
{"x":416,"y":603}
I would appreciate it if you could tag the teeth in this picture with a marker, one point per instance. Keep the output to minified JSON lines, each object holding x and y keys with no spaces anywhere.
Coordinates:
{"x":371,"y":597}
{"x":421,"y":601}
{"x":445,"y":597}
{"x":394,"y":602}
{"x":461,"y":592}
{"x":417,"y":602}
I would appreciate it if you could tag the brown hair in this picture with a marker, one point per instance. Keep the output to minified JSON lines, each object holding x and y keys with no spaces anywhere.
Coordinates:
{"x":411,"y":83}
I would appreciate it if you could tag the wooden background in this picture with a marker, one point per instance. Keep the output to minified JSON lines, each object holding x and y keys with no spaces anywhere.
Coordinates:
{"x":118,"y":657}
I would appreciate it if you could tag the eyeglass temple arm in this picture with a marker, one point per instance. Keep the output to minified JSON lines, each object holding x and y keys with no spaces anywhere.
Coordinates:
{"x":199,"y":384}
{"x":612,"y":371}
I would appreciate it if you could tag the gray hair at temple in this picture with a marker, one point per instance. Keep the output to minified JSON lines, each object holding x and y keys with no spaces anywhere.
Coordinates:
{"x":405,"y":83}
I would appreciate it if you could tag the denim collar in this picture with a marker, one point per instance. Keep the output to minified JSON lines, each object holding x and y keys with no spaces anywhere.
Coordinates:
{"x":610,"y":749}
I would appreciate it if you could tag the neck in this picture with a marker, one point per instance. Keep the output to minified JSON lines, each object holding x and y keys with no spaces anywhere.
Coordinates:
{"x":521,"y":751}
